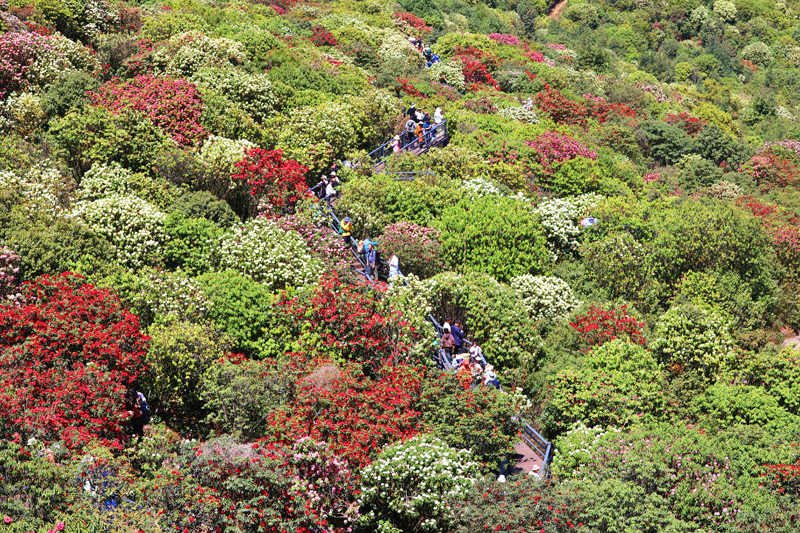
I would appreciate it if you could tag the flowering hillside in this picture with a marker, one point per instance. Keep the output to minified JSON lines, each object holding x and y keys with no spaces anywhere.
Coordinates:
{"x":246,"y":249}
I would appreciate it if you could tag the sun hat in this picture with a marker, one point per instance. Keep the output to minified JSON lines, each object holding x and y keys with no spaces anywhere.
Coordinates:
{"x":347,"y":219}
{"x":396,"y":137}
{"x":489,"y":367}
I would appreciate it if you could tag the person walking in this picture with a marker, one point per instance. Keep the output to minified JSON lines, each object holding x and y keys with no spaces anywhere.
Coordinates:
{"x":409,"y":133}
{"x":347,"y":230}
{"x":448,"y":341}
{"x":459,"y":336}
{"x":330,"y":192}
{"x":438,"y":116}
{"x":396,"y":144}
{"x":371,"y":257}
{"x":427,"y":129}
{"x":394,"y":266}
{"x":412,"y":111}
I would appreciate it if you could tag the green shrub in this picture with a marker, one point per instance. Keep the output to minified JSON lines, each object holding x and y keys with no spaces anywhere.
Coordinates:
{"x":497,"y":236}
{"x":68,"y":94}
{"x":242,"y":308}
{"x":724,"y":406}
{"x":689,"y":337}
{"x":664,"y":142}
{"x":190,"y":243}
{"x":203,"y":204}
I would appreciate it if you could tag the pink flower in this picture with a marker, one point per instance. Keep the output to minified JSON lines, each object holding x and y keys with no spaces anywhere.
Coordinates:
{"x":60,"y":526}
{"x":8,"y":520}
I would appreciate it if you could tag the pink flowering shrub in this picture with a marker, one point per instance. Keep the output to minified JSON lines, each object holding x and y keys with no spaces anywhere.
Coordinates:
{"x":651,"y":177}
{"x":555,"y":46}
{"x":788,"y":144}
{"x":655,"y":90}
{"x":535,"y":56}
{"x":323,"y":243}
{"x":504,"y":38}
{"x":786,"y":241}
{"x":413,"y":21}
{"x":552,"y":148}
{"x":417,"y":247}
{"x":9,"y":274}
{"x":19,"y":53}
{"x":174,"y":105}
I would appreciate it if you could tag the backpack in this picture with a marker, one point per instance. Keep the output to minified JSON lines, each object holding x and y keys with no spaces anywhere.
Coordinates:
{"x":360,"y":246}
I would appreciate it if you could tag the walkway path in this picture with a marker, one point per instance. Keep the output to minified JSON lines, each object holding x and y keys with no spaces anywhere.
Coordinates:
{"x":557,"y":10}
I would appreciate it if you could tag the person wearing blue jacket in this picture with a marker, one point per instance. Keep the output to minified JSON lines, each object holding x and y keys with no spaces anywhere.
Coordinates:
{"x":371,"y":257}
{"x":458,"y":334}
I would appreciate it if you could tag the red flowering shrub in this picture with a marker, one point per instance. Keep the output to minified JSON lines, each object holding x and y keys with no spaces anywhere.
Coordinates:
{"x":19,"y":54}
{"x":686,"y":122}
{"x":600,"y":325}
{"x":599,"y":108}
{"x":560,"y":108}
{"x":66,"y":357}
{"x":322,"y":37}
{"x":356,"y":416}
{"x":279,"y":182}
{"x":784,"y":478}
{"x":414,"y":21}
{"x":477,"y":66}
{"x":782,"y":229}
{"x":770,"y":171}
{"x":174,"y":105}
{"x":349,"y":323}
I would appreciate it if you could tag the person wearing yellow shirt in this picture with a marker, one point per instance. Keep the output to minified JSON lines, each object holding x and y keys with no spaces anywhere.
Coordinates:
{"x":347,"y":230}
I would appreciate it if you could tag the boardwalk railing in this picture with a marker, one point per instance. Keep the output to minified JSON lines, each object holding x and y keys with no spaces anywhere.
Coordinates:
{"x":539,"y":445}
{"x":435,"y":137}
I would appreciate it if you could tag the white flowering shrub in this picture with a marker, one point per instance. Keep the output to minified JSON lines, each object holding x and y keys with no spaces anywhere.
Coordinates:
{"x":691,"y":337}
{"x":412,"y":299}
{"x":758,"y":52}
{"x":412,"y":481}
{"x":133,"y":226}
{"x":37,"y":190}
{"x":480,"y":187}
{"x":265,"y":252}
{"x":453,"y":72}
{"x":726,"y":10}
{"x":725,"y":190}
{"x":104,"y":180}
{"x":170,"y":295}
{"x":397,"y":48}
{"x":23,"y":114}
{"x":700,"y":16}
{"x":560,"y":218}
{"x":545,"y":296}
{"x":519,"y":113}
{"x":186,"y":53}
{"x":251,"y":92}
{"x":576,"y":448}
{"x":221,"y":154}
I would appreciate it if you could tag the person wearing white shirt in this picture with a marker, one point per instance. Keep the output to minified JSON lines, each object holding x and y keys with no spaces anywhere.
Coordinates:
{"x":394,"y":266}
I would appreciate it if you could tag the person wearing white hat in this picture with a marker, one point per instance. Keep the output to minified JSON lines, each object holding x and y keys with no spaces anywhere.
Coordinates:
{"x":490,"y":378}
{"x":535,"y":471}
{"x":396,"y":144}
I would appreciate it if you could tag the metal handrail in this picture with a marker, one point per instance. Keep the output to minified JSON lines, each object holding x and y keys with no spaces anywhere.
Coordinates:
{"x":436,"y":136}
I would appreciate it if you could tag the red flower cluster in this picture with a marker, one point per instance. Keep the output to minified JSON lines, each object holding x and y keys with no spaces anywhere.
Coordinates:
{"x":770,"y":170}
{"x":355,"y":416}
{"x":784,"y":478}
{"x":174,"y":105}
{"x":477,"y":66}
{"x":414,"y":21}
{"x":783,"y":230}
{"x":597,"y":107}
{"x":281,"y":182}
{"x":322,"y":37}
{"x":560,"y":108}
{"x":66,"y":357}
{"x":406,"y":85}
{"x":600,"y":325}
{"x":689,"y":124}
{"x":346,"y":320}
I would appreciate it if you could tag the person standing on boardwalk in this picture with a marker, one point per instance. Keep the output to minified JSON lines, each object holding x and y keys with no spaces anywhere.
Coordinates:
{"x":371,"y":258}
{"x":448,"y":341}
{"x":458,"y":335}
{"x":347,"y":230}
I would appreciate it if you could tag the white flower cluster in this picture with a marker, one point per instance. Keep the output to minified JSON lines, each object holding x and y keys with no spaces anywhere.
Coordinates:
{"x":104,"y":180}
{"x":397,"y":48}
{"x":414,"y":477}
{"x":186,"y":53}
{"x":36,"y":191}
{"x":519,"y":113}
{"x":329,"y":122}
{"x":221,"y":154}
{"x":133,"y":226}
{"x":782,"y":112}
{"x":577,"y":448}
{"x":23,"y":113}
{"x":453,"y":72}
{"x":265,"y":252}
{"x":480,"y":187}
{"x":412,"y":298}
{"x":172,"y":294}
{"x":98,"y":14}
{"x":545,"y":296}
{"x":698,"y":337}
{"x":560,"y":218}
{"x":251,"y":92}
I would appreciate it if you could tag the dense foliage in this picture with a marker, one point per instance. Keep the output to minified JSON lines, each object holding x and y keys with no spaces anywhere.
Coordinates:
{"x":186,"y":343}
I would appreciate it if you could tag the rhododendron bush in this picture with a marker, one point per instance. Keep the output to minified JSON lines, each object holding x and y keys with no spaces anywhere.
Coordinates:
{"x":68,"y":353}
{"x":417,"y":247}
{"x":279,"y":182}
{"x":174,"y":105}
{"x":354,"y":414}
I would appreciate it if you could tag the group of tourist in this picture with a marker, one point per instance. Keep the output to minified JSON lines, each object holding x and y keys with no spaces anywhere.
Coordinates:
{"x":453,"y":341}
{"x":368,"y":249}
{"x":328,"y":187}
{"x":420,"y":127}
